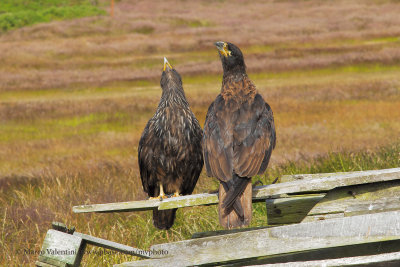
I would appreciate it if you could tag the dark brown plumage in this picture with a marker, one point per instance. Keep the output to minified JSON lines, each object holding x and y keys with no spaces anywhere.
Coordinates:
{"x":239,"y":136}
{"x":170,"y":155}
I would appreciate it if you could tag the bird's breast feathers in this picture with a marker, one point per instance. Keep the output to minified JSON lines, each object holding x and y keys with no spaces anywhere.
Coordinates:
{"x":238,"y":90}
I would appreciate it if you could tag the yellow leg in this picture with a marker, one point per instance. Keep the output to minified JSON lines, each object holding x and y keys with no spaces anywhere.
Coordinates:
{"x":176,"y":194}
{"x":162,"y":195}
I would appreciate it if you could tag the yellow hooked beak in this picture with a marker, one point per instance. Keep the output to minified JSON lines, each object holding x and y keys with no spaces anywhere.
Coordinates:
{"x":166,"y":64}
{"x":223,"y":48}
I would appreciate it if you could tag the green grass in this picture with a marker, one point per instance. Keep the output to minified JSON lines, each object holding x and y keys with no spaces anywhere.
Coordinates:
{"x":19,"y":13}
{"x":90,"y":124}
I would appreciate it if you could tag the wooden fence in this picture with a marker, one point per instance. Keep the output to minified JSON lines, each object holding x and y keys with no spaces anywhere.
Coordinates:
{"x":328,"y":219}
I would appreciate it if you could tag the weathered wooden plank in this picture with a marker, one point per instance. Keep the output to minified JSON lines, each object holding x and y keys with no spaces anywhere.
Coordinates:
{"x":260,"y":193}
{"x":328,"y":243}
{"x":385,"y":259}
{"x":224,"y":232}
{"x":327,"y":183}
{"x":188,"y":201}
{"x":239,"y":247}
{"x":297,"y":177}
{"x":355,"y":250}
{"x":169,"y":203}
{"x":290,"y":210}
{"x":62,"y":249}
{"x":373,"y":207}
{"x":112,"y":245}
{"x":338,"y":200}
{"x":118,"y":207}
{"x":322,"y":217}
{"x":43,"y":264}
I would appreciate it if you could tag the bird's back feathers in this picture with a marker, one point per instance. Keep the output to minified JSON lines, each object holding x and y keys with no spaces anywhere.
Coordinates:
{"x":239,"y":135}
{"x":169,"y":151}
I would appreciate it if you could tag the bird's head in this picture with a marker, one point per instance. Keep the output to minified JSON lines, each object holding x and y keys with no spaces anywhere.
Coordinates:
{"x":170,"y":78}
{"x":231,"y":58}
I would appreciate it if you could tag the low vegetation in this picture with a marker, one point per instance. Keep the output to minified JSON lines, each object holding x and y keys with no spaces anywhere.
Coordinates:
{"x":76,"y":94}
{"x":29,"y":204}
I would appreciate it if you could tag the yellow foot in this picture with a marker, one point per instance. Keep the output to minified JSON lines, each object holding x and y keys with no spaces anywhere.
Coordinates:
{"x":176,"y":194}
{"x":161,"y":197}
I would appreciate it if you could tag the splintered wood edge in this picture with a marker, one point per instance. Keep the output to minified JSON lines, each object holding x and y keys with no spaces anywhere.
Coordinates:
{"x":319,"y":184}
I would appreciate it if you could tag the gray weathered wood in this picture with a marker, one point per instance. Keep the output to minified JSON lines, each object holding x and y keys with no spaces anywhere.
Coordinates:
{"x":327,"y":183}
{"x":385,"y":259}
{"x":62,"y":249}
{"x":118,"y":207}
{"x":322,"y":217}
{"x":99,"y":242}
{"x":224,"y":232}
{"x":239,"y":247}
{"x":43,"y":264}
{"x":174,"y":202}
{"x":189,"y":201}
{"x":343,"y":200}
{"x":374,"y":207}
{"x":297,"y":177}
{"x":291,"y":209}
{"x":260,"y":193}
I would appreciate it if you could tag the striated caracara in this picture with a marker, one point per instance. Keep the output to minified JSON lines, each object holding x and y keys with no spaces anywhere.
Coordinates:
{"x":239,"y":136}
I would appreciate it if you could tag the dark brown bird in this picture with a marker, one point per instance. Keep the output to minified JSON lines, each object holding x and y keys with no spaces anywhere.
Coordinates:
{"x":170,"y":155}
{"x":239,"y":136}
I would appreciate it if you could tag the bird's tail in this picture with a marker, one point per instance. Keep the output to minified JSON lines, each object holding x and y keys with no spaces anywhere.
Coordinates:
{"x":164,"y":219}
{"x":235,"y":209}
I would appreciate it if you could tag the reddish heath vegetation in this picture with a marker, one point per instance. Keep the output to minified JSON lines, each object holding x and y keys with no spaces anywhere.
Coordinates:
{"x":75,"y":96}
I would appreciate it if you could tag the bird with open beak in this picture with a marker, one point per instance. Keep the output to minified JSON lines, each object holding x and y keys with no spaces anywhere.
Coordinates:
{"x":170,"y":155}
{"x":238,"y":139}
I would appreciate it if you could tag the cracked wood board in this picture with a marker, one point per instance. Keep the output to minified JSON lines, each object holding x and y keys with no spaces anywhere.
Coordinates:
{"x":351,"y":200}
{"x":260,"y":193}
{"x":241,"y":247}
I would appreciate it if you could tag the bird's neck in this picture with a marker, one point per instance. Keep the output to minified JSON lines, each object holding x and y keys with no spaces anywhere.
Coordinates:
{"x":173,"y":97}
{"x":238,"y":87}
{"x":236,"y":72}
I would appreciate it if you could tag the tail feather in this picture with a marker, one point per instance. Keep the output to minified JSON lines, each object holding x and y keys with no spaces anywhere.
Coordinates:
{"x":164,"y":219}
{"x":239,"y":213}
{"x":235,"y":188}
{"x":237,"y":207}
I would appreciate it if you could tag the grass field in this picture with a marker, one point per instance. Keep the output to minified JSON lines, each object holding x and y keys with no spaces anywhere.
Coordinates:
{"x":19,"y":13}
{"x":75,"y":96}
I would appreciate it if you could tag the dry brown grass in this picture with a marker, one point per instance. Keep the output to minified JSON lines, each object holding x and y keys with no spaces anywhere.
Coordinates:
{"x":75,"y":96}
